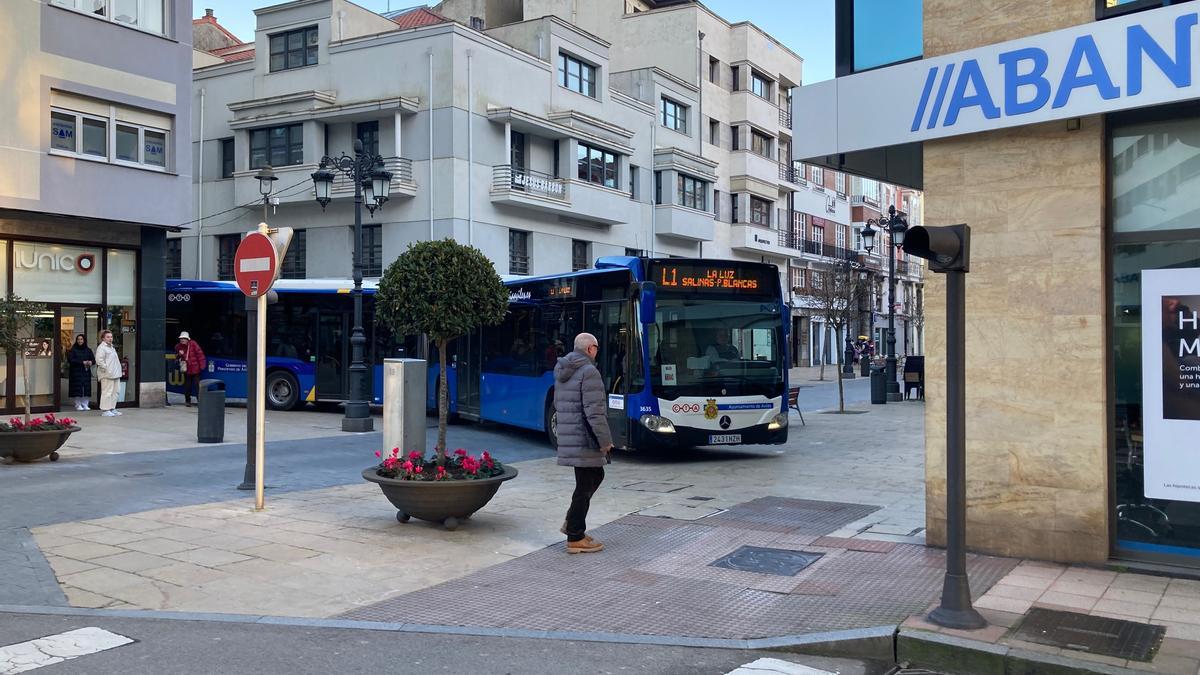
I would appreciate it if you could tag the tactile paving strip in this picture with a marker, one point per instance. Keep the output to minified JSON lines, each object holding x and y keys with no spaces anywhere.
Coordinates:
{"x":654,"y":578}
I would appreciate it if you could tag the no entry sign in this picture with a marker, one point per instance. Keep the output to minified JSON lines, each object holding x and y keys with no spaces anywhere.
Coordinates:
{"x":255,"y":264}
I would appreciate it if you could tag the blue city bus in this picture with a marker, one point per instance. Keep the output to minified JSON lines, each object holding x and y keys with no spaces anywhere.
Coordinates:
{"x":308,"y":338}
{"x":692,"y":352}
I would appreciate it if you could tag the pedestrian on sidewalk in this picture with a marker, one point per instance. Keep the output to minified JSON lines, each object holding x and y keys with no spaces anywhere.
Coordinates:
{"x":191,"y":360}
{"x":79,"y":366}
{"x":108,"y":371}
{"x":584,"y":439}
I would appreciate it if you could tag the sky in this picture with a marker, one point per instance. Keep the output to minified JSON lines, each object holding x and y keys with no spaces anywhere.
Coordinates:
{"x":804,"y":26}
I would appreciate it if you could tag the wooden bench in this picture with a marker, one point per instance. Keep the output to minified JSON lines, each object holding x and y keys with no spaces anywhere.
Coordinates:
{"x":794,"y":403}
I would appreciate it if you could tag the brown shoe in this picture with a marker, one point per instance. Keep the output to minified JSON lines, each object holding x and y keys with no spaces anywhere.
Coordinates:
{"x":585,"y":545}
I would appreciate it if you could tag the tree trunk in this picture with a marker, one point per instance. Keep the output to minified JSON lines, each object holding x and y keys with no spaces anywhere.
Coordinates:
{"x":443,"y":402}
{"x":25,"y":377}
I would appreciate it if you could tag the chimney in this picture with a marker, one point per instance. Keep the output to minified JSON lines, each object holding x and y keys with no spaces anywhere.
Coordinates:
{"x":208,"y":14}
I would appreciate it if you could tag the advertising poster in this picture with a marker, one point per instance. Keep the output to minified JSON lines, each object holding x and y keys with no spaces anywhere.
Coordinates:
{"x":1171,"y":383}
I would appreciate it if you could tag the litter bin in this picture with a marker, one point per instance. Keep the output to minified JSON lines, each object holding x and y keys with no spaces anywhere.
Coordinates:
{"x":210,"y":422}
{"x":878,"y":385}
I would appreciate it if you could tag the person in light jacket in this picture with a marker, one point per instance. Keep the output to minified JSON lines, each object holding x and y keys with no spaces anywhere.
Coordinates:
{"x":79,"y":365}
{"x":108,"y":371}
{"x":584,"y":439}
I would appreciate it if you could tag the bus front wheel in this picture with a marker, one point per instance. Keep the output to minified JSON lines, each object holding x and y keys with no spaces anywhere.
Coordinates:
{"x":283,"y":392}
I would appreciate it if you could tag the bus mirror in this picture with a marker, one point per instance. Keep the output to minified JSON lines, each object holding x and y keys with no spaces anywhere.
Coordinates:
{"x":647,"y":303}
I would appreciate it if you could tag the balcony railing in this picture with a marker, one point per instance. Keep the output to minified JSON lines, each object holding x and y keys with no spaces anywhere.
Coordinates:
{"x":787,"y":173}
{"x":505,"y":177}
{"x":785,"y":117}
{"x":400,"y":167}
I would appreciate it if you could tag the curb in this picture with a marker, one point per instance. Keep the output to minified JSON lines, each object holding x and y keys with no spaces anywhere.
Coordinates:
{"x":872,"y":643}
{"x":952,"y":654}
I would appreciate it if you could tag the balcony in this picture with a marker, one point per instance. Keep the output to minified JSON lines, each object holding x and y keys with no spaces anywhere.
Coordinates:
{"x":568,"y":199}
{"x":758,"y":239}
{"x":785,"y":118}
{"x":748,"y":106}
{"x":402,"y":179}
{"x":673,"y":220}
{"x":754,"y":165}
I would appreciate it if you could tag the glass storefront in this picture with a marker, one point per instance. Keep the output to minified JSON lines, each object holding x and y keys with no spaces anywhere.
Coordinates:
{"x":84,"y":289}
{"x":1155,"y":175}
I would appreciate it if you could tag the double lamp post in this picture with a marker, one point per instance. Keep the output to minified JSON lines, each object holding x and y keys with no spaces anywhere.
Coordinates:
{"x":896,"y":223}
{"x":371,"y":185}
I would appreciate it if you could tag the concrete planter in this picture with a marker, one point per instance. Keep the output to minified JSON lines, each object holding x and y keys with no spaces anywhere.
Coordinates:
{"x":28,"y":446}
{"x":446,"y":502}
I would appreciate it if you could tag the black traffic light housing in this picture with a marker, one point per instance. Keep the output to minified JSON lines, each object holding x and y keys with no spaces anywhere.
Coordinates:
{"x":948,"y":248}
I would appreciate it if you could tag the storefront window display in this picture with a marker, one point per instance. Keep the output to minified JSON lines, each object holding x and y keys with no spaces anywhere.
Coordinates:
{"x":1155,"y":169}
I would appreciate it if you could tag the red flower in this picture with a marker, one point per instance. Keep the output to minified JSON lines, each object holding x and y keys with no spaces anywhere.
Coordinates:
{"x":414,"y":455}
{"x":460,"y":452}
{"x":378,"y":454}
{"x":418,"y":469}
{"x":441,"y":473}
{"x":407,"y":466}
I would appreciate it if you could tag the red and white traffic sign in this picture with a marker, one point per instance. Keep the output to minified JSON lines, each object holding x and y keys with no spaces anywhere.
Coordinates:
{"x":255,"y":264}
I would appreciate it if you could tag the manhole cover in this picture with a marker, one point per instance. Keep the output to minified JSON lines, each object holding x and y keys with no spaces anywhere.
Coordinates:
{"x":777,"y":561}
{"x":1094,"y":634}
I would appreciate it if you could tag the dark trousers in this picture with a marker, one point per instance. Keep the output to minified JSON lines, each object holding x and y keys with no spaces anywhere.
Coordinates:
{"x":191,"y":386}
{"x":587,"y":481}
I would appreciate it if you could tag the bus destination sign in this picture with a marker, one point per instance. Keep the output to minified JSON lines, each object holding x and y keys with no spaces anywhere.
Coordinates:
{"x":715,"y":277}
{"x":561,"y":288}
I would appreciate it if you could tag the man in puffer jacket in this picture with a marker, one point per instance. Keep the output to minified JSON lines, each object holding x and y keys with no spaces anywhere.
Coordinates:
{"x":584,"y":439}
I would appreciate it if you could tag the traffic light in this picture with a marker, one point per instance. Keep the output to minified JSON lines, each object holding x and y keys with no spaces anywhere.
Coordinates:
{"x":948,"y":248}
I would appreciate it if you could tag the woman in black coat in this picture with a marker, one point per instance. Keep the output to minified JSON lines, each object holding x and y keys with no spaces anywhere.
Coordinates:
{"x":80,"y":359}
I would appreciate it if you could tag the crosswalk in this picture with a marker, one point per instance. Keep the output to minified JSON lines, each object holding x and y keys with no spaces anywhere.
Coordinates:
{"x":44,"y":651}
{"x":767,"y":666}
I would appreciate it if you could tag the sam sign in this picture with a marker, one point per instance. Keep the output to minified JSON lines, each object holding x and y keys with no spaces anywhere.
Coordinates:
{"x":255,"y":265}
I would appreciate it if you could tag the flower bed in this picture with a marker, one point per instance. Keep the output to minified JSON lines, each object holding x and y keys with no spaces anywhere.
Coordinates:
{"x":460,"y":465}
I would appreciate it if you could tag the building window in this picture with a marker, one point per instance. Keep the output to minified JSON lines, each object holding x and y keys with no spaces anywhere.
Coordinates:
{"x":372,"y":250}
{"x":818,"y":232}
{"x":174,"y":258}
{"x":760,"y":86}
{"x":227,"y":245}
{"x":797,"y":274}
{"x":294,"y":49}
{"x":714,"y":70}
{"x":87,"y":135}
{"x":634,"y":252}
{"x":633,"y":182}
{"x":737,"y":78}
{"x":737,"y":132}
{"x":658,"y":187}
{"x":760,"y":143}
{"x":580,"y":254}
{"x":714,"y":132}
{"x":146,"y":15}
{"x":673,"y":115}
{"x":818,"y":279}
{"x":733,"y":208}
{"x":717,"y":204}
{"x":277,"y":146}
{"x":368,"y":133}
{"x":293,"y":266}
{"x":227,"y":158}
{"x":518,"y":252}
{"x":817,"y":175}
{"x":576,"y":75}
{"x":839,"y":182}
{"x":692,"y":192}
{"x":760,"y":211}
{"x":899,"y":20}
{"x":597,"y":166}
{"x":841,"y":235}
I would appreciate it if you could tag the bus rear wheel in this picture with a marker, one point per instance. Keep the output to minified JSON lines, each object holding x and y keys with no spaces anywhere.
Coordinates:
{"x":551,"y":424}
{"x":283,"y":392}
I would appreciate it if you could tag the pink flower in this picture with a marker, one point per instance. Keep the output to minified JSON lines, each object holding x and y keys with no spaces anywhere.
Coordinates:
{"x":378,"y":454}
{"x":395,"y":452}
{"x":407,"y":466}
{"x":418,"y":469}
{"x":415,"y":455}
{"x":460,"y":452}
{"x":441,"y":473}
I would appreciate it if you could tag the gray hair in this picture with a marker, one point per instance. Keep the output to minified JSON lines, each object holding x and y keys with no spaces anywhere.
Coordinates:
{"x":585,"y":340}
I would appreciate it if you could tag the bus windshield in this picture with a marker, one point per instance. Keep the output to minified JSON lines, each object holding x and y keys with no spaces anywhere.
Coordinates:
{"x":714,"y":348}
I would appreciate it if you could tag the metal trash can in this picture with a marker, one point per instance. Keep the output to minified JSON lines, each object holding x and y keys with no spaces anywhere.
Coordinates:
{"x":878,"y":385}
{"x":210,"y":422}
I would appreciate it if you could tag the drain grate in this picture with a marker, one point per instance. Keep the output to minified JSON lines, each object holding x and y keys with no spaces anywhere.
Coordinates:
{"x":777,"y":561}
{"x":1093,"y":634}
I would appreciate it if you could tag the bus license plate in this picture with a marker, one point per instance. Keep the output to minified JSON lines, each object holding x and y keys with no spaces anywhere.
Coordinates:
{"x":715,"y":439}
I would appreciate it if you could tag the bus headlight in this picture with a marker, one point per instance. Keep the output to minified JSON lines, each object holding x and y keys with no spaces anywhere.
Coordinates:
{"x":658,"y":424}
{"x":780,"y":421}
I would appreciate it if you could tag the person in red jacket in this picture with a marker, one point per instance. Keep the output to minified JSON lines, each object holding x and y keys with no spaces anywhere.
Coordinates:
{"x":190,"y":358}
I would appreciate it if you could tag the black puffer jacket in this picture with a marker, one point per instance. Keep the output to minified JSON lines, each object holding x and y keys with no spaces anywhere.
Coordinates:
{"x":581,"y":406}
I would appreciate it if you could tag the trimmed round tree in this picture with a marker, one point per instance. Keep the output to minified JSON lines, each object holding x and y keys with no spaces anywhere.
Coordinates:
{"x":16,"y":316}
{"x":441,"y":289}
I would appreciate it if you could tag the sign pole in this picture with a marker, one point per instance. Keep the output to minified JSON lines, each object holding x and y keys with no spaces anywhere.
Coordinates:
{"x":260,"y":377}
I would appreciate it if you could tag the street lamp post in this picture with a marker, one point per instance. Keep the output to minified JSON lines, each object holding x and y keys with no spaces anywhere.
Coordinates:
{"x":896,"y":222}
{"x":367,"y":174}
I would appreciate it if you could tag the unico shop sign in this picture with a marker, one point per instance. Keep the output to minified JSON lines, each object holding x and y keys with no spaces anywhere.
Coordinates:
{"x":54,"y":273}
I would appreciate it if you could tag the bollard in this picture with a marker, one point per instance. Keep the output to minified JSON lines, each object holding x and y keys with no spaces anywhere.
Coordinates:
{"x":404,"y":405}
{"x":210,"y":418}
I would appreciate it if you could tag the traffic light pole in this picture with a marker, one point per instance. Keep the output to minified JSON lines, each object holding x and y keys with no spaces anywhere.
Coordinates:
{"x":955,"y":610}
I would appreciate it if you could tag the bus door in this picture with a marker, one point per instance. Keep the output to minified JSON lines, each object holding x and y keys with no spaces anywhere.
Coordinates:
{"x":333,"y":354}
{"x":467,"y":371}
{"x":609,"y":322}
